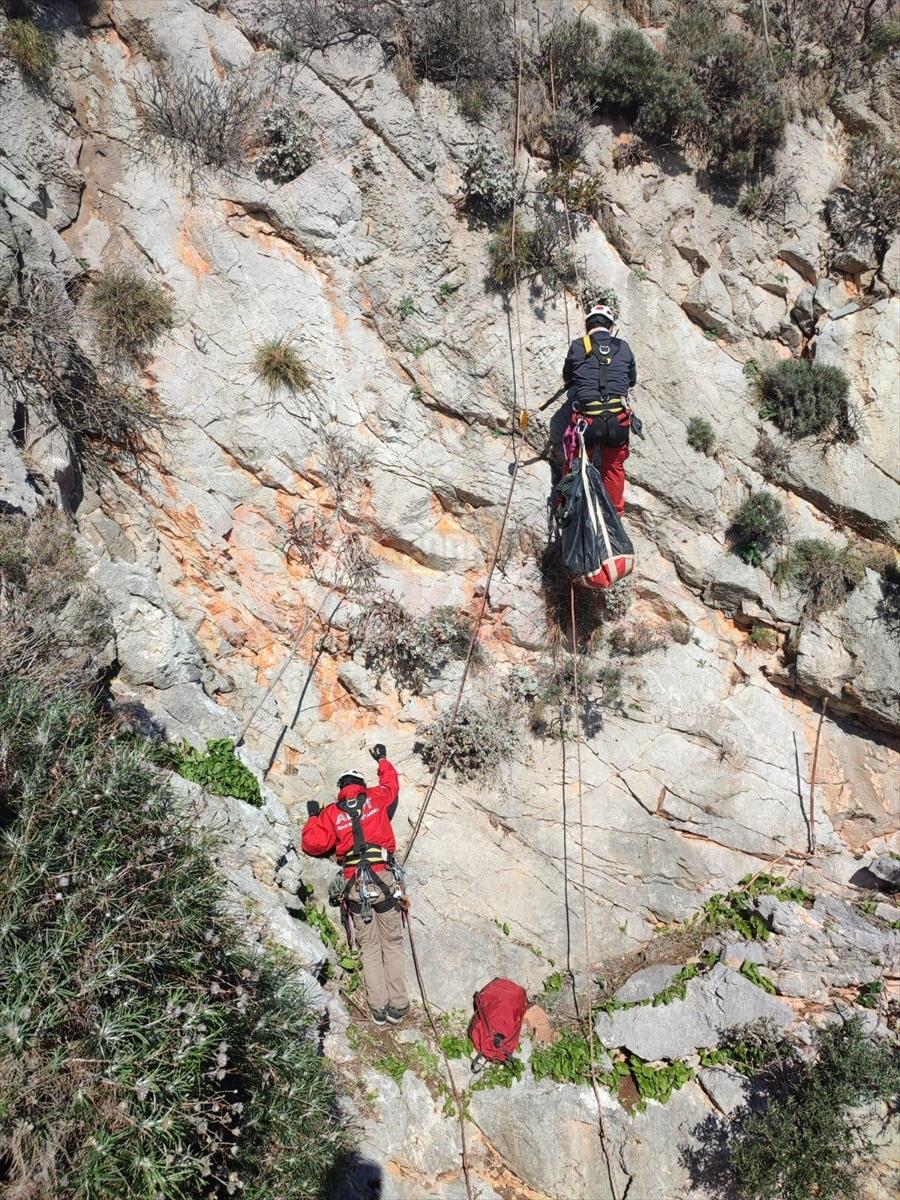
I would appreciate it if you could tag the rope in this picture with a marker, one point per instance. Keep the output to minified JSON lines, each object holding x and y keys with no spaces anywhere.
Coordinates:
{"x":584,"y":898}
{"x":457,"y":1100}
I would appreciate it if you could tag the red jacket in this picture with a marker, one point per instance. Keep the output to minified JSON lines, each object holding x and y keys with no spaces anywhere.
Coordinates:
{"x":332,"y":829}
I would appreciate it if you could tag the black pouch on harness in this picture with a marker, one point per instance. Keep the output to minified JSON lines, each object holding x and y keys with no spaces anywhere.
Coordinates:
{"x":606,"y":429}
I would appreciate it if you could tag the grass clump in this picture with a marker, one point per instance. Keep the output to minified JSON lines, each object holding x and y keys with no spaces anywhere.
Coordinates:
{"x":638,"y":639}
{"x":278,"y":365}
{"x":763,"y":638}
{"x":756,"y":526}
{"x":701,"y":436}
{"x":413,"y":649}
{"x":824,"y":574}
{"x":804,"y":398}
{"x":131,"y":312}
{"x":811,"y":1138}
{"x":144,"y":1050}
{"x":28,"y":47}
{"x":773,"y":457}
{"x":484,"y":735}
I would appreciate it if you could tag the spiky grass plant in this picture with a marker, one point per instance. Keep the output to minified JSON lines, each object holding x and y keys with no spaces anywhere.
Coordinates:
{"x":131,"y":312}
{"x":278,"y":365}
{"x":144,"y":1051}
{"x":701,"y":436}
{"x":32,"y":50}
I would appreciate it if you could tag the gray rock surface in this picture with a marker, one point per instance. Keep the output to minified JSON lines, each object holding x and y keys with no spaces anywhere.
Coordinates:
{"x":645,"y":984}
{"x":713,"y":1004}
{"x":886,"y":868}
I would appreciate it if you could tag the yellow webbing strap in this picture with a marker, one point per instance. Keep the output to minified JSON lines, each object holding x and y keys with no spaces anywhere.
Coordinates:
{"x":587,"y":343}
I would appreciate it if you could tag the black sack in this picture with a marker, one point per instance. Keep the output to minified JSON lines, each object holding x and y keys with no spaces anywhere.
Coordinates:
{"x":596,"y":550}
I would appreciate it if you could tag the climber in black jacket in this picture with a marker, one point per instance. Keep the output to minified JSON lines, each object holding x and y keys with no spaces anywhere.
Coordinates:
{"x":600,"y":369}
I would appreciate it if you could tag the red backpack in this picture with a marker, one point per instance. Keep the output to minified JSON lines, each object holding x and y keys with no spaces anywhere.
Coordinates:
{"x":495,"y":1028}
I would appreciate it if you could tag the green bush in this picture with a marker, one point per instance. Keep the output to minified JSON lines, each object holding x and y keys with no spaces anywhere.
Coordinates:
{"x":740,"y":120}
{"x":804,"y":398}
{"x":131,"y":312}
{"x":413,"y":649}
{"x":219,"y":770}
{"x":569,"y":56}
{"x":489,"y":180}
{"x":811,"y":1138}
{"x":466,"y":45}
{"x":566,"y":131}
{"x":581,"y":195}
{"x":484,"y":735}
{"x":873,"y":172}
{"x":278,"y":365}
{"x":32,"y":50}
{"x":291,"y":147}
{"x":757,"y":525}
{"x":701,"y":436}
{"x":824,"y":574}
{"x":548,"y":694}
{"x":144,"y":1050}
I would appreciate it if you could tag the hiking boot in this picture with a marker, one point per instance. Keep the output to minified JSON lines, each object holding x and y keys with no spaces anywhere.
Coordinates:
{"x":396,"y":1015}
{"x":379,"y":1015}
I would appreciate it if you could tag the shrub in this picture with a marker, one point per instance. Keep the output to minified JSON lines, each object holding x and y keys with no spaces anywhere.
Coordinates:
{"x":278,"y":365}
{"x":767,"y":198}
{"x":413,"y":649}
{"x":131,"y":312}
{"x":144,"y":1050}
{"x":681,"y":631}
{"x":569,"y":57}
{"x":542,"y":250}
{"x":756,"y":526}
{"x":490,"y":181}
{"x":741,"y":119}
{"x":565,"y":130}
{"x":484,"y":735}
{"x":810,"y":1138}
{"x":292,"y":146}
{"x":701,"y":436}
{"x":193,"y":121}
{"x":32,"y":50}
{"x":593,"y":293}
{"x":54,"y":623}
{"x":825,"y":574}
{"x":639,"y":639}
{"x":873,"y":172}
{"x":629,"y":153}
{"x":804,"y":398}
{"x":579,"y":194}
{"x":773,"y":458}
{"x":548,"y":694}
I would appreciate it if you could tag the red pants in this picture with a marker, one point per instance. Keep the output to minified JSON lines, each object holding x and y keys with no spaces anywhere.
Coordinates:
{"x":612,"y":468}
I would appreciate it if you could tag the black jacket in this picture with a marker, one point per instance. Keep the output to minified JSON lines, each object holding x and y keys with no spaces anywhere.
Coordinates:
{"x":582,"y":370}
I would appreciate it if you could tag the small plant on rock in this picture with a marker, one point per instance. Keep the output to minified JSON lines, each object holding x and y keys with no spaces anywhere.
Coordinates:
{"x":593,"y":293}
{"x":484,"y":735}
{"x":641,"y":638}
{"x":565,"y":130}
{"x":873,"y":172}
{"x":278,"y":365}
{"x":701,"y":436}
{"x":541,"y":250}
{"x":823,"y":573}
{"x":763,"y":638}
{"x":804,"y":398}
{"x":581,"y":195}
{"x":756,"y":526}
{"x":131,"y":312}
{"x":773,"y":457}
{"x":292,"y":146}
{"x":219,"y":771}
{"x":490,"y":181}
{"x":630,"y":153}
{"x":767,"y":198}
{"x":28,"y":47}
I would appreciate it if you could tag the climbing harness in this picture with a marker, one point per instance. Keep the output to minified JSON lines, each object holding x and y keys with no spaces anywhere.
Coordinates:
{"x":376,"y":894}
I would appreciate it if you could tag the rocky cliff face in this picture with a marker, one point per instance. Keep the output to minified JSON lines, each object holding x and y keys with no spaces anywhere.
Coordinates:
{"x":402,"y":446}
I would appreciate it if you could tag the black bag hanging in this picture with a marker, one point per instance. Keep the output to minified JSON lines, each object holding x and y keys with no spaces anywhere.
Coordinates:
{"x":596,"y":550}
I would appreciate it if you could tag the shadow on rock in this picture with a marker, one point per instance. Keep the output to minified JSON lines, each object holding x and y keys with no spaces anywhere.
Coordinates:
{"x":353,"y":1177}
{"x":708,"y":1159}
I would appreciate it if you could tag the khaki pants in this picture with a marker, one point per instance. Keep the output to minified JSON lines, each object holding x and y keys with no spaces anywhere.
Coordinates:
{"x":382,"y":951}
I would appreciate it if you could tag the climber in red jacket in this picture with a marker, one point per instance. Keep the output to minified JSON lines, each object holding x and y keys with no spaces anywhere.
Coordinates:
{"x":358,"y":826}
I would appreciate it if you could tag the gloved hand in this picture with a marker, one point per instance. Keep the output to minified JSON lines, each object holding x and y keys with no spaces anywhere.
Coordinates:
{"x":378,"y":752}
{"x":313,"y":808}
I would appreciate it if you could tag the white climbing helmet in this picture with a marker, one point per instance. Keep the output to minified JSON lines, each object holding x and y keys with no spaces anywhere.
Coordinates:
{"x":349,"y":777}
{"x":601,"y":310}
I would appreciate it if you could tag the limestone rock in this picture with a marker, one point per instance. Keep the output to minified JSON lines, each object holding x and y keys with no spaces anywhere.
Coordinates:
{"x":886,"y":868}
{"x":713,"y":1003}
{"x":646,"y":983}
